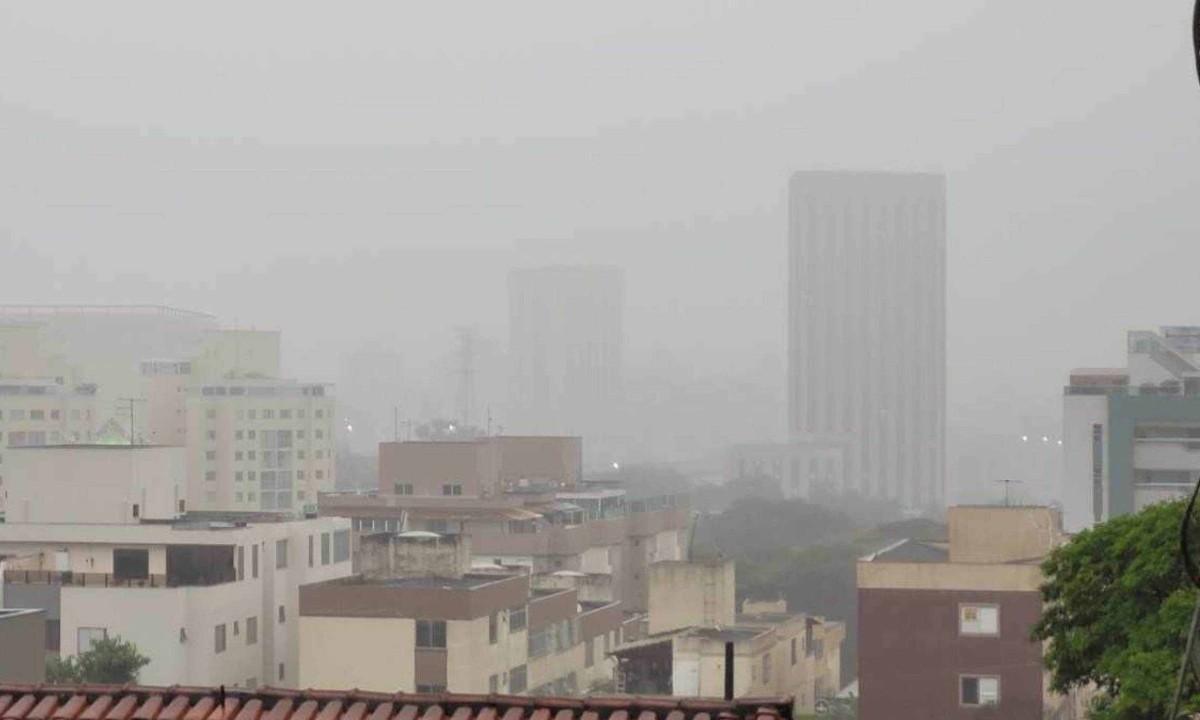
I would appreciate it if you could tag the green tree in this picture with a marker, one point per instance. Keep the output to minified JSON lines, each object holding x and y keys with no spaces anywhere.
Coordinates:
{"x":109,"y":661}
{"x":1116,"y":611}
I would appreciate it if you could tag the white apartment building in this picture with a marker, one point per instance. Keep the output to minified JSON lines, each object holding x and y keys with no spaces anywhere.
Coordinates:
{"x":97,"y":541}
{"x":867,"y":333}
{"x":1131,"y":435}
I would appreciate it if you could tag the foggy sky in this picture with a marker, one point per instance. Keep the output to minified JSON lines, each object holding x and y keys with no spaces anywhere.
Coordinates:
{"x":364,"y":176}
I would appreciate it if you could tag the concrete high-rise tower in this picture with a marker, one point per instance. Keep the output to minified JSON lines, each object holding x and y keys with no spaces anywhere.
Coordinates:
{"x":565,"y":345}
{"x":867,"y":333}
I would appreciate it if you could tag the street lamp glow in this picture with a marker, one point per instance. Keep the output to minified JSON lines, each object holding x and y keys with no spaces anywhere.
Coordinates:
{"x":616,"y":466}
{"x":1060,"y":442}
{"x":1024,"y":438}
{"x":1045,"y":439}
{"x":349,"y":428}
{"x":451,"y":428}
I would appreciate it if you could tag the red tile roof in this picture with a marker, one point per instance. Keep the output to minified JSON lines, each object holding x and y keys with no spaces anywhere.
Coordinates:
{"x":135,"y":702}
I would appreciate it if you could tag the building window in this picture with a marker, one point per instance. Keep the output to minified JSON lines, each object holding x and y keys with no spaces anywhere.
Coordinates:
{"x":241,"y":562}
{"x":85,"y":637}
{"x":518,"y":680}
{"x":404,"y":489}
{"x":978,"y":620}
{"x":281,"y":552}
{"x":589,"y":653}
{"x":516,"y":619}
{"x":431,"y":633}
{"x":494,"y":684}
{"x":37,"y":414}
{"x":324,"y":548}
{"x":268,"y":414}
{"x":493,"y":628}
{"x":793,"y":651}
{"x":282,"y":614}
{"x":54,"y":415}
{"x":254,"y":560}
{"x":237,"y":628}
{"x":976,"y":690}
{"x":210,"y":475}
{"x":212,"y":434}
{"x":766,"y":670}
{"x":281,"y":672}
{"x":320,"y":413}
{"x":210,"y":454}
{"x":251,"y":630}
{"x":238,"y":456}
{"x":310,"y":550}
{"x":455,"y":489}
{"x":285,"y":414}
{"x":219,"y":638}
{"x":341,"y":546}
{"x":137,"y":511}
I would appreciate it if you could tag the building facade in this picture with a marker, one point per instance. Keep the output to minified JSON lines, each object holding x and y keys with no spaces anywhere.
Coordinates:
{"x":1131,"y":434}
{"x":566,"y":347}
{"x":866,"y":331}
{"x":483,"y":467}
{"x":23,"y":637}
{"x":945,"y":632}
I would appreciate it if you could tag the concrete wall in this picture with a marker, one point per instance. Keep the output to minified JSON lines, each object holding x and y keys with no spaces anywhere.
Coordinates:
{"x":540,"y":457}
{"x":366,"y":653}
{"x":994,"y":534}
{"x":384,"y":555}
{"x":683,"y":594}
{"x":23,"y":646}
{"x":1078,"y":494}
{"x":427,"y":466}
{"x":94,"y":484}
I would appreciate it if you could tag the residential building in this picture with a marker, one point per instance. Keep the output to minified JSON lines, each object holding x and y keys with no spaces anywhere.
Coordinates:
{"x":867,"y":331}
{"x":945,"y":631}
{"x":693,"y":617}
{"x":23,"y":639}
{"x":31,"y":702}
{"x":161,"y":376}
{"x":417,"y":621}
{"x":1131,"y":434}
{"x":483,"y":467}
{"x":566,"y":347}
{"x":98,"y":542}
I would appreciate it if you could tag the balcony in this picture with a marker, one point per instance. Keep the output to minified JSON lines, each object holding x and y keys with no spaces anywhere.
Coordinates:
{"x":68,"y":578}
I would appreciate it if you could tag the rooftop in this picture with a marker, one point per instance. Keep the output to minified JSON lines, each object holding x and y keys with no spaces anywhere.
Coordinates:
{"x":134,"y":702}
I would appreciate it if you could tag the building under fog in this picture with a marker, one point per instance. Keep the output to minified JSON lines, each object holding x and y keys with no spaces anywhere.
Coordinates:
{"x":565,"y":343}
{"x":867,"y":334}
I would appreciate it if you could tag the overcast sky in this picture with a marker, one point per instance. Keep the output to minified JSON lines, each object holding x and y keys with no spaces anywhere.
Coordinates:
{"x":366,"y":173}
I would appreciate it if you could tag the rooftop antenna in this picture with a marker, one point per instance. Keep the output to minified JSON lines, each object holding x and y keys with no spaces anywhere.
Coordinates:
{"x":1007,"y":483}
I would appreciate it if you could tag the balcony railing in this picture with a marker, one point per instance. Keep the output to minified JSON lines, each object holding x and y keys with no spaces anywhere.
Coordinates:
{"x":94,"y":579}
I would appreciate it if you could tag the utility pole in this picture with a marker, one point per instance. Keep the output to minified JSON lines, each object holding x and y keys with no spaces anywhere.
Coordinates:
{"x":132,"y":423}
{"x":1008,"y":482}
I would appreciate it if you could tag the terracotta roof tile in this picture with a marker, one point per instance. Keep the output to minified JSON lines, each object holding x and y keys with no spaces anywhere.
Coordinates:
{"x":134,"y":702}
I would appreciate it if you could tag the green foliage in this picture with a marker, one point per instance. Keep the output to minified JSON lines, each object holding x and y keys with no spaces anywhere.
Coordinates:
{"x":109,"y":661}
{"x":1117,"y":608}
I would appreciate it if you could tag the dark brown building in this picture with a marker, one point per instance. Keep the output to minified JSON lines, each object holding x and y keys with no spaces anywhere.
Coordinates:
{"x":944,"y":630}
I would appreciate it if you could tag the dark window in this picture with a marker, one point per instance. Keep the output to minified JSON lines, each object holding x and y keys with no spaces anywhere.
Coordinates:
{"x":219,"y":638}
{"x":137,"y":511}
{"x":324,"y":548}
{"x":132,"y":564}
{"x":182,"y":506}
{"x":282,"y":614}
{"x":494,"y":684}
{"x":254,"y":560}
{"x":341,"y":546}
{"x":281,"y":549}
{"x":281,"y":673}
{"x":310,"y":550}
{"x":977,"y":690}
{"x":793,"y":651}
{"x":251,"y":630}
{"x":518,"y":680}
{"x":241,"y":562}
{"x":516,"y":619}
{"x":493,"y":628}
{"x":431,"y":633}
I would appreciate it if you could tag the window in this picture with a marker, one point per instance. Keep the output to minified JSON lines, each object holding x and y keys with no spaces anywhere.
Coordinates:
{"x":86,"y":636}
{"x":236,"y":628}
{"x":978,"y":620}
{"x":324,"y":548}
{"x":766,"y":670}
{"x":793,"y":651}
{"x":131,"y":564}
{"x":54,"y":415}
{"x":431,"y":633}
{"x":268,"y":414}
{"x":137,"y":511}
{"x":493,"y":628}
{"x":589,"y":653}
{"x":241,"y":562}
{"x":212,"y":434}
{"x":282,"y":613}
{"x":254,"y":560}
{"x":518,"y":680}
{"x":455,"y":489}
{"x":341,"y":546}
{"x":310,"y":550}
{"x":516,"y":619}
{"x":320,"y":474}
{"x":281,"y":672}
{"x":251,"y":630}
{"x":281,"y":552}
{"x":319,"y":434}
{"x":285,"y":414}
{"x":494,"y":684}
{"x":404,"y":489}
{"x":37,"y":414}
{"x":320,"y":413}
{"x":238,"y":455}
{"x":210,"y":475}
{"x":975,"y":690}
{"x":211,"y":454}
{"x":252,"y":434}
{"x":219,"y":638}
{"x":252,"y":455}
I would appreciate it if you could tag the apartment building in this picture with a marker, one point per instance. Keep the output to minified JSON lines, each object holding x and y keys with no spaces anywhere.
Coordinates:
{"x":1131,"y":435}
{"x":693,"y":617}
{"x":427,"y":626}
{"x":483,"y":467}
{"x":945,"y":631}
{"x":98,"y":541}
{"x":160,"y":376}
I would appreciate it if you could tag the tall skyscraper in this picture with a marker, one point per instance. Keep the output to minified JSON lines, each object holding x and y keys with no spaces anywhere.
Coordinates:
{"x":867,"y":333}
{"x":565,"y":341}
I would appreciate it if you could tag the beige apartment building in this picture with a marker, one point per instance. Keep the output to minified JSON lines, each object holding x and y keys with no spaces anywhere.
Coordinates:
{"x":483,"y":467}
{"x":160,"y":376}
{"x":693,"y":616}
{"x":98,"y":543}
{"x":415,"y":621}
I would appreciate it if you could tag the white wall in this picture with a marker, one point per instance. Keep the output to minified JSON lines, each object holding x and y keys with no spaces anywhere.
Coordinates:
{"x":1080,"y":412}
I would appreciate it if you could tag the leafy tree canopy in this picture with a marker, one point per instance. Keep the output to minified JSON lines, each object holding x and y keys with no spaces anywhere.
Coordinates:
{"x":1117,"y":608}
{"x":110,"y":661}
